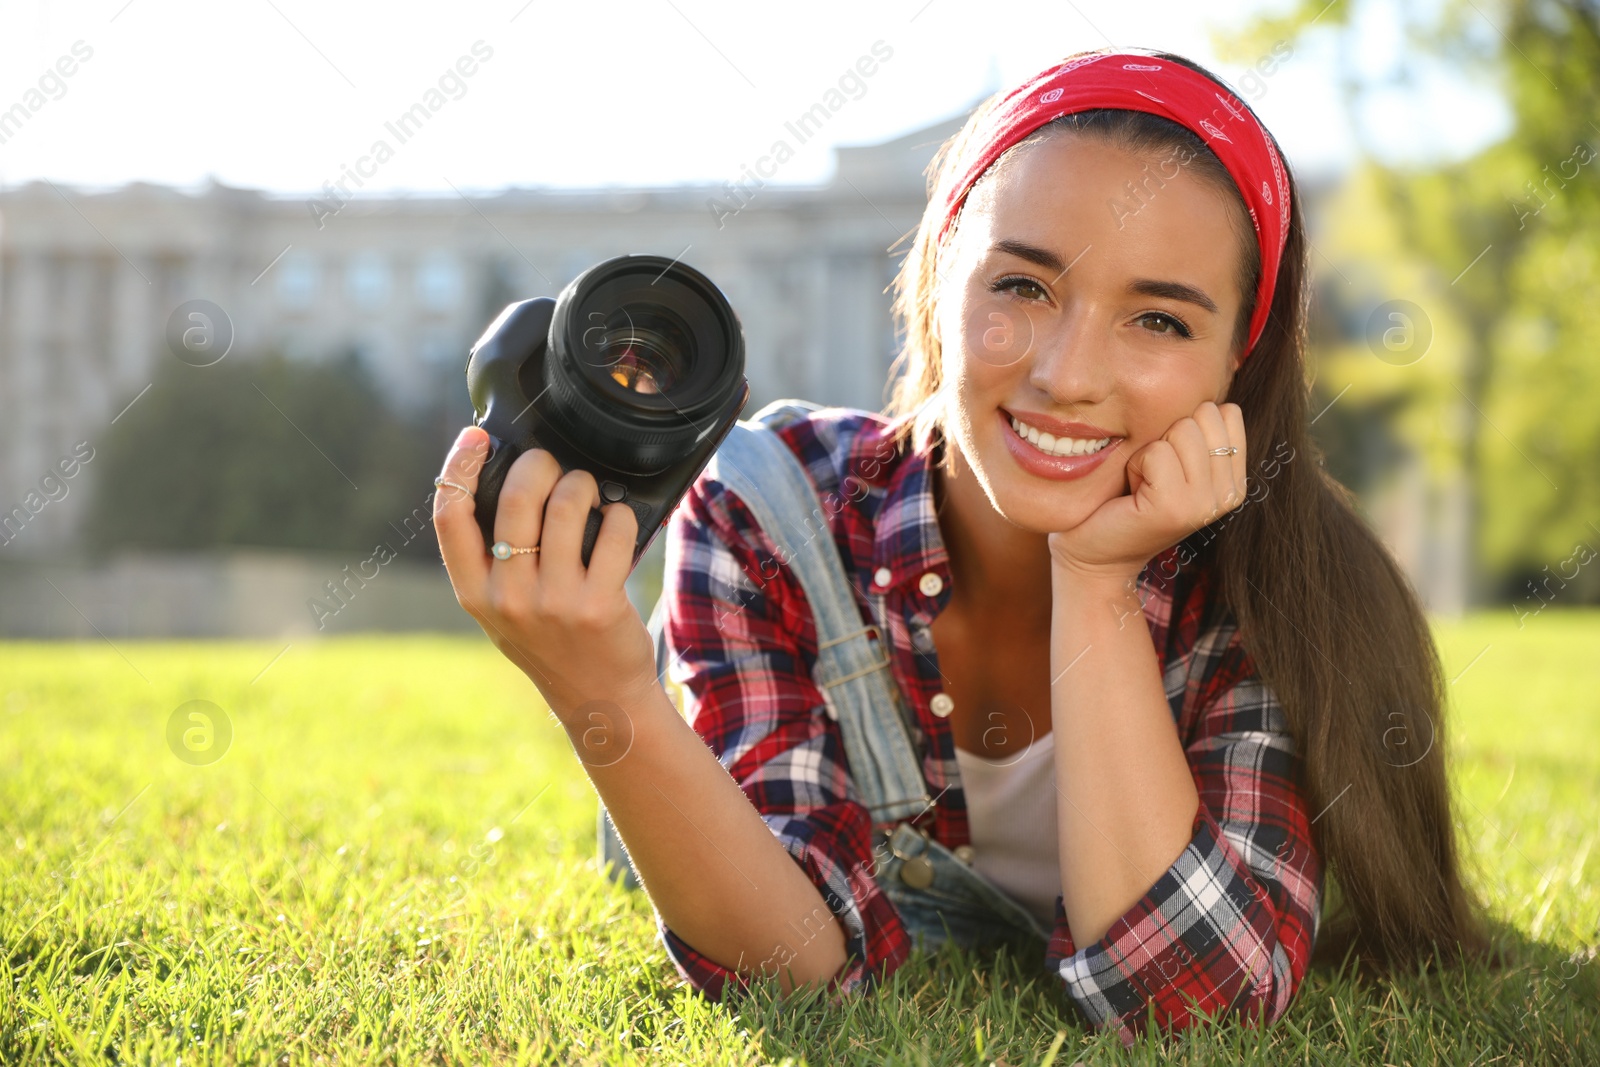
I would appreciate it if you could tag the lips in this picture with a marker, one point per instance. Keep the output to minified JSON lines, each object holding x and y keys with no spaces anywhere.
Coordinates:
{"x":1053,"y":467}
{"x":1060,"y":428}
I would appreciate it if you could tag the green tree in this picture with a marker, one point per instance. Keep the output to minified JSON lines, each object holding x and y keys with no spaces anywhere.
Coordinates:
{"x":263,"y":452}
{"x":1511,"y":237}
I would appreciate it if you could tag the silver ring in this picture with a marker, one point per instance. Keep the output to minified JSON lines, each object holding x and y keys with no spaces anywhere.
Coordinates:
{"x":505,"y":550}
{"x":441,"y":481}
{"x":1226,"y":450}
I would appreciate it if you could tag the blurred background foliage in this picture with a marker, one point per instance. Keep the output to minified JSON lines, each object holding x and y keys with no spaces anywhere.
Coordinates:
{"x":1501,"y":251}
{"x":266,"y":452}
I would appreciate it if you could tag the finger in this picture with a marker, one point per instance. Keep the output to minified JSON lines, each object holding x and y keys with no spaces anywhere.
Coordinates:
{"x":1233,"y":415}
{"x":1159,"y":468}
{"x":565,"y":516}
{"x":1215,"y":429}
{"x":612,"y":558}
{"x":519,"y":517}
{"x":455,"y":519}
{"x":1133,"y":469}
{"x":1189,"y":441}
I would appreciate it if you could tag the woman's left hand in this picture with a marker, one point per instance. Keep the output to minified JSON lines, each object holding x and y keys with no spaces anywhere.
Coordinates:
{"x":1174,"y":487}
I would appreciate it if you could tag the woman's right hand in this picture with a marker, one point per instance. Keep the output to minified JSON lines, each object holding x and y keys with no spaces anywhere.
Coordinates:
{"x":571,"y":629}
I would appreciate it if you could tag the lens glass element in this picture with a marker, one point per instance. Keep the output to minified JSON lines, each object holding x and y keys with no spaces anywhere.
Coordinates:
{"x":642,"y":347}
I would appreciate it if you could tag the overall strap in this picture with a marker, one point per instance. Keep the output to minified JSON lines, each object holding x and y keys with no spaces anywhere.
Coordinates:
{"x":852,"y":668}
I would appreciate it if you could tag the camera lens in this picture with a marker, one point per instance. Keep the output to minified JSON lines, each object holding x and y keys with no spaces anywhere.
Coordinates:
{"x":645,"y":353}
{"x":645,"y":356}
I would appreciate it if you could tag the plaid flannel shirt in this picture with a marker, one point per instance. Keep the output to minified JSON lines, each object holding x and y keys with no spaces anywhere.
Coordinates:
{"x":1228,"y":927}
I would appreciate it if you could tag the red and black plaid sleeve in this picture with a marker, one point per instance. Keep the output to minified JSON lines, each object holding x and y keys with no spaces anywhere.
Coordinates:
{"x":1229,"y":927}
{"x":742,"y":647}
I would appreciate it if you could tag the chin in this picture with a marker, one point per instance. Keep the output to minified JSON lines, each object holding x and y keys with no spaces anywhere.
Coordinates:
{"x":1039,"y":505}
{"x":1042,"y":516}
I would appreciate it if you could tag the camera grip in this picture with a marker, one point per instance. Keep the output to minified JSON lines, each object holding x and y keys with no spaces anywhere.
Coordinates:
{"x":591,"y":531}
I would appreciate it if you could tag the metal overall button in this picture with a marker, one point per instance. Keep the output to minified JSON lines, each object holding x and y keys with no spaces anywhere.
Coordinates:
{"x":916,"y":870}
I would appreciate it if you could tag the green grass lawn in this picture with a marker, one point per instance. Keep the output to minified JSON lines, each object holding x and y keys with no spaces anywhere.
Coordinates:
{"x":393,"y":861}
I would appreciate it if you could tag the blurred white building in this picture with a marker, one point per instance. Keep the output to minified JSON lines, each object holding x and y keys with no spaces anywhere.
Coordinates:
{"x":91,"y":283}
{"x":90,"y":280}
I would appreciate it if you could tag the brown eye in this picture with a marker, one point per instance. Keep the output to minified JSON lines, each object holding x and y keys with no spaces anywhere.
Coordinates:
{"x":1177,"y":327}
{"x":1024,"y":287}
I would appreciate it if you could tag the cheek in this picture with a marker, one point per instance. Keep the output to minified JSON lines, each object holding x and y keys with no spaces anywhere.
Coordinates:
{"x":992,"y":339}
{"x":1154,"y":402}
{"x":998,"y":337}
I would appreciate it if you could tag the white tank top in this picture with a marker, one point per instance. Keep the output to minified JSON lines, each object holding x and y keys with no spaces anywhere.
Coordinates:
{"x":1011,"y":814}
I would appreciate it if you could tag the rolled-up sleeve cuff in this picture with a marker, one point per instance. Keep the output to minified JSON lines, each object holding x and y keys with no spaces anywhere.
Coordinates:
{"x":1203,"y":942}
{"x":874,"y":942}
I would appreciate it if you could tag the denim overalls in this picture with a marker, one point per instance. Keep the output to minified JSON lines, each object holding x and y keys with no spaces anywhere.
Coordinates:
{"x":938,"y":896}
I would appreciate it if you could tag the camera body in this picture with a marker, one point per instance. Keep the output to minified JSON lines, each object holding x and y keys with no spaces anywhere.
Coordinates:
{"x":635,"y":373}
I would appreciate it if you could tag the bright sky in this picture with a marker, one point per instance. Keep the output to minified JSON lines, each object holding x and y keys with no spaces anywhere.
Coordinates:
{"x":284,"y":94}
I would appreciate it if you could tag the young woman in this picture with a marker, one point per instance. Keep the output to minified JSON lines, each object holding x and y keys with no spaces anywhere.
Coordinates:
{"x":1159,"y":677}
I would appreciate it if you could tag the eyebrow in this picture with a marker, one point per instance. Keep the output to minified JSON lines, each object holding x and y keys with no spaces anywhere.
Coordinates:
{"x":1142,"y":286}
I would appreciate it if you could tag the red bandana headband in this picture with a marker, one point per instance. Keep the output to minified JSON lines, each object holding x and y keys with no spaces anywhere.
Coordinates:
{"x":1142,"y":83}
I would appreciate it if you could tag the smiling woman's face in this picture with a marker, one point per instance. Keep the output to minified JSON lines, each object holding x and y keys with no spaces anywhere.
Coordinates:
{"x":1058,"y":309}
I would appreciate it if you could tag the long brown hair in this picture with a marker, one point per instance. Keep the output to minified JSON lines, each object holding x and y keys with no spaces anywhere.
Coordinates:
{"x":1331,"y":621}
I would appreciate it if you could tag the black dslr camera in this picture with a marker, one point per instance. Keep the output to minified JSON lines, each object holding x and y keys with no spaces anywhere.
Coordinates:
{"x":634,"y":373}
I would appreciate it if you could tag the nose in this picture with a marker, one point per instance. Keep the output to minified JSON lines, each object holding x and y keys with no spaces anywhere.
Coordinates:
{"x":1071,"y":362}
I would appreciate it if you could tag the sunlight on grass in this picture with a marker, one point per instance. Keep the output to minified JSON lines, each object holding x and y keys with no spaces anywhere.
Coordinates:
{"x":392,"y":860}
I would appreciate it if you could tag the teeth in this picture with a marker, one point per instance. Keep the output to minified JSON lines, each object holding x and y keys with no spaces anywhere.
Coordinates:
{"x":1058,"y":446}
